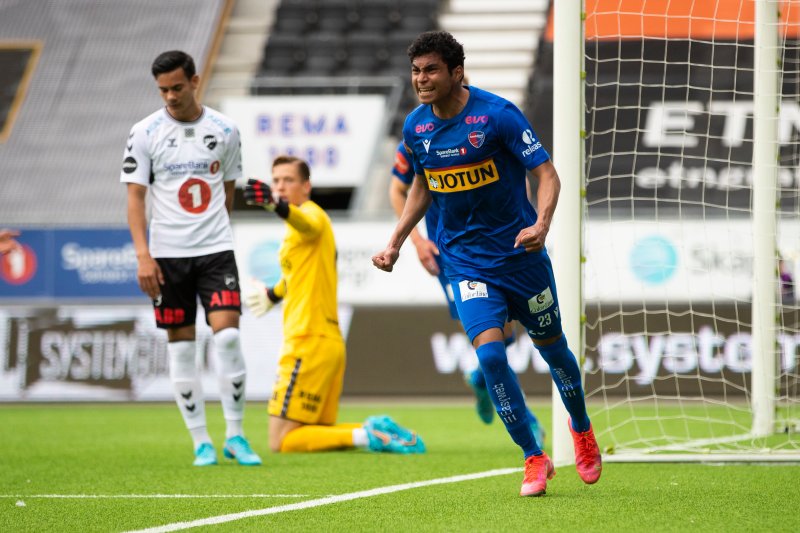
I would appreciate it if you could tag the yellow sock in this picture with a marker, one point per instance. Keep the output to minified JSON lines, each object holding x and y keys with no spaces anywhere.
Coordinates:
{"x":319,"y":438}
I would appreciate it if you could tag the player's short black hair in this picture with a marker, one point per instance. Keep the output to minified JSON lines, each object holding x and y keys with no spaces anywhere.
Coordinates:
{"x":438,"y":42}
{"x":173,"y":60}
{"x":305,"y":172}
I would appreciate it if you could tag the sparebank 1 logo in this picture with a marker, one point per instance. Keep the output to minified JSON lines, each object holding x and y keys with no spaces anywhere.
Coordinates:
{"x":19,"y":265}
{"x":654,"y":259}
{"x":264,"y":262}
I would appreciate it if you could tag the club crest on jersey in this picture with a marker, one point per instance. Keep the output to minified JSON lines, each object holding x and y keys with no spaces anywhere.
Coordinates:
{"x":427,"y":144}
{"x":462,"y":177}
{"x":476,"y":138}
{"x":230,"y":281}
{"x":210,"y":141}
{"x":472,"y":289}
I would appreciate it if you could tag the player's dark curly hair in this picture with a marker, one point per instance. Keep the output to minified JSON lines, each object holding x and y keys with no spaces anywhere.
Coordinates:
{"x":173,"y":60}
{"x":438,"y":42}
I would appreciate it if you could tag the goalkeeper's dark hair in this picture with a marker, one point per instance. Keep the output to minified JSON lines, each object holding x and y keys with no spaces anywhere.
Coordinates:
{"x":438,"y":42}
{"x":305,"y":172}
{"x":173,"y":60}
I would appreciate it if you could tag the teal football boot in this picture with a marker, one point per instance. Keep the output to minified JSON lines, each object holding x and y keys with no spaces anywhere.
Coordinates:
{"x":386,"y":435}
{"x":238,"y":448}
{"x":205,"y":455}
{"x":483,"y":403}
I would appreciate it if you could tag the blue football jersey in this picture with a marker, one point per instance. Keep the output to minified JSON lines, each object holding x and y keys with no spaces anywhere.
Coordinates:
{"x":475,"y":167}
{"x":403,"y":170}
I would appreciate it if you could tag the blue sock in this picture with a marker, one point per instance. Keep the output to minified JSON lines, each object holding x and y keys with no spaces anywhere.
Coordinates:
{"x":507,"y":396}
{"x":477,"y":378}
{"x":567,"y":376}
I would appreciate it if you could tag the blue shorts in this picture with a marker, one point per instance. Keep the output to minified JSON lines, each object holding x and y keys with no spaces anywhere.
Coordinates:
{"x":528,"y":296}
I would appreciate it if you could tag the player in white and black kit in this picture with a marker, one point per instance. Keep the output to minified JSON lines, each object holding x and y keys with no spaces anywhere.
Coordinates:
{"x":188,"y":157}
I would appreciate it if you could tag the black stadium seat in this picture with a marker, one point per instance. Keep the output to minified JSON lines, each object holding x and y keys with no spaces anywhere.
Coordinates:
{"x":318,"y":38}
{"x":366,"y":52}
{"x":338,"y":15}
{"x":379,"y":15}
{"x":325,"y":54}
{"x":398,"y":43}
{"x":284,"y":54}
{"x":296,"y":16}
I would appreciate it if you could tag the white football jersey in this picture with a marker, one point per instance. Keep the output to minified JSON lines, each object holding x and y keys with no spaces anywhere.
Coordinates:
{"x":185,"y":164}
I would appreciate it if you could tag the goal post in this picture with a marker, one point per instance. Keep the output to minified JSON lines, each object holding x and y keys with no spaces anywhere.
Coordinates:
{"x":567,"y":227}
{"x":765,"y":165}
{"x":676,"y":134}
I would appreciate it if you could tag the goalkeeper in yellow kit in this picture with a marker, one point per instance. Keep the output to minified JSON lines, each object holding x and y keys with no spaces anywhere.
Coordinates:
{"x":305,"y":399}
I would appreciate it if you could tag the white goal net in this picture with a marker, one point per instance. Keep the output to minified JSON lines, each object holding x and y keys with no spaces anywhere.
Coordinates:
{"x":683,"y":320}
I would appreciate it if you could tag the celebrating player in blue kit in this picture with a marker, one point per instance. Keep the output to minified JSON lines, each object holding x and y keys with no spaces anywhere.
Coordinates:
{"x":431,"y":260}
{"x":471,"y":150}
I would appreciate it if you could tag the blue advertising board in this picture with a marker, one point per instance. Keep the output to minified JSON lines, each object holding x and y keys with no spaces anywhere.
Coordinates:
{"x":71,"y":264}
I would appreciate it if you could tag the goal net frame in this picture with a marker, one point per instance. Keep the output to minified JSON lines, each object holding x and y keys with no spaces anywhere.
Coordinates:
{"x":569,"y":228}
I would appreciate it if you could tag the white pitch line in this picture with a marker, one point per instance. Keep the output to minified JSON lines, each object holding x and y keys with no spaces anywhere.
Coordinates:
{"x":132,"y":496}
{"x":328,"y":500}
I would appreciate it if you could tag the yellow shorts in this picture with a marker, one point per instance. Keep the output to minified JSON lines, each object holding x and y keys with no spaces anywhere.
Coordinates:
{"x":309,"y":381}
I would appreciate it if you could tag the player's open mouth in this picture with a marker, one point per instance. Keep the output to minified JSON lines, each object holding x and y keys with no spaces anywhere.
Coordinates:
{"x":426,"y":90}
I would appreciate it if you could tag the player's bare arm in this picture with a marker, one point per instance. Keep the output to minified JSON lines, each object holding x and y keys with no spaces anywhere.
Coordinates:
{"x":533,"y":238}
{"x":148,"y":272}
{"x":426,"y":249}
{"x":419,"y":198}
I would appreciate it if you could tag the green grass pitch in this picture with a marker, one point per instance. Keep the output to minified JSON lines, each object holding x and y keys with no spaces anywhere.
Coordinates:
{"x":122,"y":467}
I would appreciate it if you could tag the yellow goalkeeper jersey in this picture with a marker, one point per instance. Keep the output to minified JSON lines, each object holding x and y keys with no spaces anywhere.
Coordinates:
{"x":308,"y":268}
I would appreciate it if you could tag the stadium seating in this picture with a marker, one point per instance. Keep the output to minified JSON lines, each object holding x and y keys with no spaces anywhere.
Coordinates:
{"x":336,"y":38}
{"x":366,"y":52}
{"x":325,"y":54}
{"x":285,"y":53}
{"x":61,"y":163}
{"x":337,"y":16}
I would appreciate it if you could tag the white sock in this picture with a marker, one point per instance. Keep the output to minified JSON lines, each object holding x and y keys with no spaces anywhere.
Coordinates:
{"x":360,"y":439}
{"x":199,"y":436}
{"x":233,"y":428}
{"x":232,"y":379}
{"x":187,"y":387}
